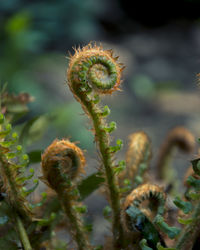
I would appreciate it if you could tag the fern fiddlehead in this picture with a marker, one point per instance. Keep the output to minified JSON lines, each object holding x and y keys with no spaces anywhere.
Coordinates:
{"x":143,"y":211}
{"x":178,"y":137}
{"x":138,"y":157}
{"x":93,"y":71}
{"x":62,"y":163}
{"x":147,"y":192}
{"x":138,"y":212}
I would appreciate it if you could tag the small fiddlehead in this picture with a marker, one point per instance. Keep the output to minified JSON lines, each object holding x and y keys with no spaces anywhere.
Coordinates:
{"x":140,"y":208}
{"x":152,"y":194}
{"x":143,"y":212}
{"x":93,"y":71}
{"x":138,"y":157}
{"x":180,"y":138}
{"x":62,"y":163}
{"x":60,"y":160}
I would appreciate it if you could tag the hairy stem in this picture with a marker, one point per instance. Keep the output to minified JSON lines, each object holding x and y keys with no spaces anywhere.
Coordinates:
{"x":62,"y":162}
{"x":102,"y":139}
{"x":92,"y":72}
{"x":75,"y":222}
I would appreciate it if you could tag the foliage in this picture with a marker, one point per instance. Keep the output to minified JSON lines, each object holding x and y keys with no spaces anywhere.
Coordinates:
{"x":137,"y":208}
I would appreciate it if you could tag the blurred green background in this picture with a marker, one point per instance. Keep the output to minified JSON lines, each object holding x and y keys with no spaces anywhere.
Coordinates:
{"x":158,"y":41}
{"x":160,"y":49}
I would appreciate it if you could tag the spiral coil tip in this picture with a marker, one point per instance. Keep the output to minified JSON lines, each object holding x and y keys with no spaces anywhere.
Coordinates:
{"x":139,"y":199}
{"x":144,"y":192}
{"x":183,"y":138}
{"x":96,"y":67}
{"x":62,"y":158}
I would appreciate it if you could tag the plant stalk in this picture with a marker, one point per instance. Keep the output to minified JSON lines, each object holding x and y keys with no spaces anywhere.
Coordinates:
{"x":22,"y":234}
{"x":102,"y":139}
{"x":75,"y":222}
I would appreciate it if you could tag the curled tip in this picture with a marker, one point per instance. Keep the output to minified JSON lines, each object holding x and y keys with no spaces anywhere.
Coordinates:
{"x":137,"y":142}
{"x":62,"y":161}
{"x":139,"y":151}
{"x":141,"y":199}
{"x":142,"y":193}
{"x":94,"y":68}
{"x":183,"y":138}
{"x":179,"y":137}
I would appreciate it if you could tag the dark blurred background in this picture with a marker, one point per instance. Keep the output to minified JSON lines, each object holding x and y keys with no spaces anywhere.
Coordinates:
{"x":158,"y":41}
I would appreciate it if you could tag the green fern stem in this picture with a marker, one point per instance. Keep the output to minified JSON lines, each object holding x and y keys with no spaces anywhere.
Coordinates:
{"x":93,"y":71}
{"x":75,"y":221}
{"x":22,"y":233}
{"x":103,"y":140}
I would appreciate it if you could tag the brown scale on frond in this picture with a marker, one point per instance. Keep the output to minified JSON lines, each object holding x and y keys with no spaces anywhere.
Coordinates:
{"x":144,"y":192}
{"x":147,"y":198}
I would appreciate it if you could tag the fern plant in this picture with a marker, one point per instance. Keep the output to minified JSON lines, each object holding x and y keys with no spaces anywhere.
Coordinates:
{"x":139,"y":212}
